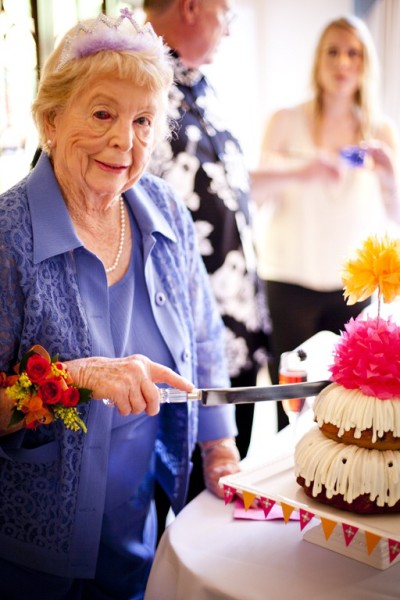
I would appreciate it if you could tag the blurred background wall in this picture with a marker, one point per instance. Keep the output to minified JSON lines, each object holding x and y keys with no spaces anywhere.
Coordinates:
{"x":264,"y":64}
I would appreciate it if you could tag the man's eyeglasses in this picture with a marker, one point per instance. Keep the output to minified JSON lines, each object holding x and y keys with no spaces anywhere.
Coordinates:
{"x":228,"y":17}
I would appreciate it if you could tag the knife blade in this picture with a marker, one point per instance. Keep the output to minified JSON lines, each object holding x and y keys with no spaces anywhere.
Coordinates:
{"x":244,"y":395}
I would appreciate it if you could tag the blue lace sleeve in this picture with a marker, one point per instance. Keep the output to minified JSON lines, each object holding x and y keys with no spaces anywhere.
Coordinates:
{"x":11,"y":307}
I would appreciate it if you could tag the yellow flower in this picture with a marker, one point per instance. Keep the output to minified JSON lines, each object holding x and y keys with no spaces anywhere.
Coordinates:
{"x":376,"y":266}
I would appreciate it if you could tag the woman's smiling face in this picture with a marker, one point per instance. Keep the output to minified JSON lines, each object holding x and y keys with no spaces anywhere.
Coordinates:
{"x":341,"y":62}
{"x":103,"y":140}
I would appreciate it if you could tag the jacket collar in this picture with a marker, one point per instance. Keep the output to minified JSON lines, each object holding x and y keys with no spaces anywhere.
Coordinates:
{"x":52,"y":228}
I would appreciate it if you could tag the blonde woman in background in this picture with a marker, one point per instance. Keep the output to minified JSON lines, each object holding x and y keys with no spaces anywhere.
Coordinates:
{"x":318,"y":204}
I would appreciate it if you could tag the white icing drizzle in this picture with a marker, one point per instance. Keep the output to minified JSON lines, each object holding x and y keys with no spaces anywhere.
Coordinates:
{"x":348,"y":469}
{"x":347,"y":409}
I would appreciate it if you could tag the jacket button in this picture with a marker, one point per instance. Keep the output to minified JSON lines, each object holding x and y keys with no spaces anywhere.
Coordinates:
{"x":160,"y":299}
{"x":186,"y":355}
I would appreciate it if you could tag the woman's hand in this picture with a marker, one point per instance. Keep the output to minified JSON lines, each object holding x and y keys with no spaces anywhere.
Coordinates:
{"x":127,"y":382}
{"x":382,"y":156}
{"x":322,"y":166}
{"x":384,"y":162}
{"x":220,"y":457}
{"x":274,"y":176}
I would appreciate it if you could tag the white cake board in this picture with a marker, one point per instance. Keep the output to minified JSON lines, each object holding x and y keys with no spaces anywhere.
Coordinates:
{"x":275,"y":480}
{"x":357,"y":550}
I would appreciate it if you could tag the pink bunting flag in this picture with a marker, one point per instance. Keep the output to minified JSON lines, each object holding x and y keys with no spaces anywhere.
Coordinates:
{"x":349,"y":532}
{"x":266,"y":504}
{"x":305,"y":517}
{"x":229,"y":493}
{"x":394,"y":549}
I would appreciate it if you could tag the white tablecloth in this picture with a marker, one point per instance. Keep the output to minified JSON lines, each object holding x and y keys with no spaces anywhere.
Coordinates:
{"x":206,"y":555}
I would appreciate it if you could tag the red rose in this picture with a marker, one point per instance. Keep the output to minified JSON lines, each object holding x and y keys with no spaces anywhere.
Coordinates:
{"x":70,"y":397}
{"x":37,"y":368}
{"x":50,"y":391}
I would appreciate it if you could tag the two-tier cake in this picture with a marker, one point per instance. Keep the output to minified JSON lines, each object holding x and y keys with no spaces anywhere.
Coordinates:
{"x":351,"y":459}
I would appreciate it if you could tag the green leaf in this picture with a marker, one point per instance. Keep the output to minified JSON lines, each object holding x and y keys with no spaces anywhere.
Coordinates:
{"x":24,"y":360}
{"x":81,"y":424}
{"x":16,"y":417}
{"x":84,"y":395}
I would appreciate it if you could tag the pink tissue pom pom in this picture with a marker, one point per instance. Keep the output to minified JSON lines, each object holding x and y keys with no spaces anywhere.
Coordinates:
{"x":367,"y":358}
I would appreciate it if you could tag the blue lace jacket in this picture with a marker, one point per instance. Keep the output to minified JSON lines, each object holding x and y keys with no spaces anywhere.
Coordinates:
{"x":53,"y":292}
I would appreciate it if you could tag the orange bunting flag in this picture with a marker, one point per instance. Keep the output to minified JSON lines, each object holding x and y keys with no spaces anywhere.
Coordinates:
{"x":229,"y":493}
{"x":305,"y":518}
{"x":248,"y":499}
{"x":287,"y":511}
{"x":394,"y":549}
{"x":349,"y":531}
{"x":372,"y":540}
{"x":266,"y":504}
{"x":328,"y":526}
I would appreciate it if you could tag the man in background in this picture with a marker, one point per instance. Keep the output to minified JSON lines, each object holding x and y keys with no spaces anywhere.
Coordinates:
{"x":204,"y":162}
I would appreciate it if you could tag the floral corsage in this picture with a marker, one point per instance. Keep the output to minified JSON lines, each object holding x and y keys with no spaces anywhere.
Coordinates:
{"x":44,"y":392}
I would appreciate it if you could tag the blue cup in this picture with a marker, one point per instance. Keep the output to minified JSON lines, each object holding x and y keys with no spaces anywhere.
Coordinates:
{"x":354,"y":155}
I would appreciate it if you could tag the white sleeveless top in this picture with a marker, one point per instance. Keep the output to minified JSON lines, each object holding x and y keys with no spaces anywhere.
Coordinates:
{"x":307,"y":230}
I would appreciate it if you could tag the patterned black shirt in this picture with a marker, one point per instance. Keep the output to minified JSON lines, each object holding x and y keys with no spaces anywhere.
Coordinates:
{"x":205,"y":164}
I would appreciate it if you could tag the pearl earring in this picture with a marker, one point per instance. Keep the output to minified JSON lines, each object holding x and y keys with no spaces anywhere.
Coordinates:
{"x":49,"y":142}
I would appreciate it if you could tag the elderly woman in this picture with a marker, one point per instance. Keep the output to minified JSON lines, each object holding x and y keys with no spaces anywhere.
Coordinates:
{"x":99,"y":265}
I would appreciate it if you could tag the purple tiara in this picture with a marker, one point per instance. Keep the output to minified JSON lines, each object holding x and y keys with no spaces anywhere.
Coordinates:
{"x":123,"y":34}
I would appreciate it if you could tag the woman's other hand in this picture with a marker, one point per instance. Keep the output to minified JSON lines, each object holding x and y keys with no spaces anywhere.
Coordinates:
{"x":220,"y":457}
{"x":127,"y":382}
{"x":383,"y":158}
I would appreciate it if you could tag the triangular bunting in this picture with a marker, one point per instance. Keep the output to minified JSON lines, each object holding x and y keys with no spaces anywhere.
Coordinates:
{"x":305,"y":517}
{"x":287,"y":511}
{"x":266,"y":504}
{"x":248,"y":499}
{"x":327,"y":526}
{"x":229,"y":493}
{"x":349,"y":531}
{"x":394,"y":549}
{"x":372,"y":540}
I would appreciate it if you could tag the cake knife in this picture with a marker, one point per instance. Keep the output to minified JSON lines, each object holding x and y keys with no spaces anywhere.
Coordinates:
{"x":244,"y":395}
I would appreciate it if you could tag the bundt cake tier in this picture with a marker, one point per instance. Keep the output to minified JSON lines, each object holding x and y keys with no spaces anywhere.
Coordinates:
{"x":347,"y":476}
{"x":351,"y":417}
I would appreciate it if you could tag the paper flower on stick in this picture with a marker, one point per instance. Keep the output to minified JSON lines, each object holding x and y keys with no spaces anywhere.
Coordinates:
{"x":375,"y":267}
{"x":367,"y":357}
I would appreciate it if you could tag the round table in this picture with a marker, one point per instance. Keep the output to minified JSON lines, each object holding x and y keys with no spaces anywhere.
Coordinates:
{"x":205,"y":554}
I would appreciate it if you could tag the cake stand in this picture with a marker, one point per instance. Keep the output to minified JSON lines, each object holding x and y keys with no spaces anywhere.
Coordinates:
{"x":370,"y":539}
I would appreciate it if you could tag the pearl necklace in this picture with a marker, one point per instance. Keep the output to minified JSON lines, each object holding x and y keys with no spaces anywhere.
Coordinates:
{"x":121,"y":239}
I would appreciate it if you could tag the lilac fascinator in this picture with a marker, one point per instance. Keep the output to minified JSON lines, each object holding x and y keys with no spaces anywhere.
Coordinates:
{"x":123,"y":34}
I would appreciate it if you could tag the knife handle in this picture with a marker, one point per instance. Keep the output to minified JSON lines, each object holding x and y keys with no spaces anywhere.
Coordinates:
{"x":173,"y":396}
{"x":168,"y":396}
